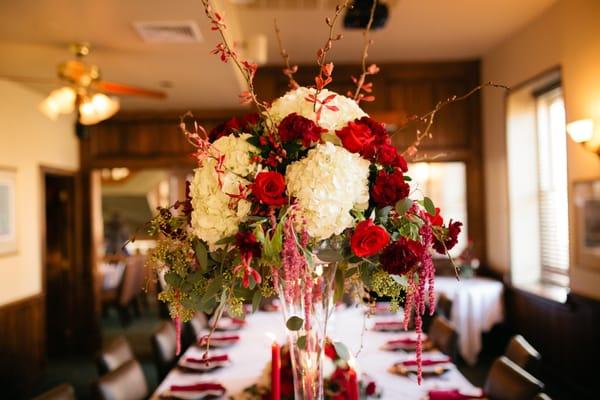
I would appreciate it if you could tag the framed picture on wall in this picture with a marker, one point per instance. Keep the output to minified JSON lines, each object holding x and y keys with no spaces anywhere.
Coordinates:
{"x":586,"y":198}
{"x":8,"y":213}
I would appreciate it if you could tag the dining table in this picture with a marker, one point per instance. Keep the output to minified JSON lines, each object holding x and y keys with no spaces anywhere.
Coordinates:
{"x":352,"y":326}
{"x":477,"y":306}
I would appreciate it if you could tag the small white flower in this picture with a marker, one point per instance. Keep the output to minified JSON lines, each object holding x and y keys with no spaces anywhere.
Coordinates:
{"x":295,"y":101}
{"x":328,"y":183}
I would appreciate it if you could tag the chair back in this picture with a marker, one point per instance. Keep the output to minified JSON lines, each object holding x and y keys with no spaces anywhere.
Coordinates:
{"x":507,"y":381}
{"x":193,"y":329}
{"x":124,"y":383}
{"x":523,"y":354}
{"x":444,"y":306}
{"x":114,"y":354}
{"x":443,"y":336}
{"x":61,"y":392}
{"x":133,"y":279}
{"x":164,"y":347}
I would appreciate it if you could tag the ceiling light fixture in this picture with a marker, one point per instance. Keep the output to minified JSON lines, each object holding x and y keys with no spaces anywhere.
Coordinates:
{"x":59,"y":101}
{"x":97,"y":108}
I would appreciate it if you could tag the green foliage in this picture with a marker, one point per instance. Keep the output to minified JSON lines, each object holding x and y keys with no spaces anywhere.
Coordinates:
{"x":294,"y":323}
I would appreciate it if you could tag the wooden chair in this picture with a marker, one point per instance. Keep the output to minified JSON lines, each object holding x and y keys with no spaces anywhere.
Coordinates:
{"x":61,"y":392}
{"x":507,"y":381}
{"x":113,"y":355}
{"x":164,"y":347}
{"x":124,"y":383}
{"x":126,"y":296}
{"x":444,"y":306}
{"x":193,"y":329}
{"x":443,"y":336}
{"x":523,"y":354}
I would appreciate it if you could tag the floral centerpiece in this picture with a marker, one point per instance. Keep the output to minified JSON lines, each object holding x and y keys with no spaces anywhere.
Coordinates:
{"x":308,"y":199}
{"x":337,"y":381}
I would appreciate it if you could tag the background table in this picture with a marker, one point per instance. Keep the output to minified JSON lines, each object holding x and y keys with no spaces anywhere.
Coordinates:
{"x":477,"y":305}
{"x":251,"y":354}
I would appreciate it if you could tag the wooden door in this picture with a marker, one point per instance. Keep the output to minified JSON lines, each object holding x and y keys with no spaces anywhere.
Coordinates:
{"x":59,"y":259}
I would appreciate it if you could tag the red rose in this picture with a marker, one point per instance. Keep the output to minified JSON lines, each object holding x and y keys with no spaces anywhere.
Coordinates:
{"x":330,"y":350}
{"x":295,"y":126}
{"x":269,"y":188}
{"x":371,"y":388}
{"x":355,"y":136}
{"x":451,"y":239}
{"x":401,"y":256}
{"x":387,"y":155}
{"x":389,"y":188}
{"x":368,"y":239}
{"x":232,"y":125}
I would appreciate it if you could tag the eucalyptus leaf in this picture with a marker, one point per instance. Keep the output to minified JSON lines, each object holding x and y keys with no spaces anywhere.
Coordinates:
{"x":342,"y":351}
{"x":201,"y":255}
{"x":402,"y":206}
{"x":294,"y":323}
{"x":429,"y":206}
{"x":301,"y":342}
{"x":383,"y":214}
{"x":172,"y":279}
{"x":400,"y":279}
{"x":256,"y":301}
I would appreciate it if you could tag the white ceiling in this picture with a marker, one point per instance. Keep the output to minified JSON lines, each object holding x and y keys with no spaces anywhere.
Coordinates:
{"x":34,"y":35}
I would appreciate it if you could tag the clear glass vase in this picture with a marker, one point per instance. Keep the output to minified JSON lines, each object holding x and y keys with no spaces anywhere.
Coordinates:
{"x":307,"y":305}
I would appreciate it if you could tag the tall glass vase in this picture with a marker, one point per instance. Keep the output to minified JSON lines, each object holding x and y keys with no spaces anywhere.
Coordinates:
{"x":307,"y":305}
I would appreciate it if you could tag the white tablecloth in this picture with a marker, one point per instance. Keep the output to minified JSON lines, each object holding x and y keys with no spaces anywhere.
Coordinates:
{"x":252,"y":353}
{"x":477,"y":305}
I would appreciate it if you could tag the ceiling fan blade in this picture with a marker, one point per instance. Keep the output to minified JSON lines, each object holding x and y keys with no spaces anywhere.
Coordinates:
{"x":30,"y":79}
{"x":117,"y":88}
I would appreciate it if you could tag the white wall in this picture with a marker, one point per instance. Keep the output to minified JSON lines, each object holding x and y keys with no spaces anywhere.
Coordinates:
{"x":566,"y":35}
{"x":29,"y":140}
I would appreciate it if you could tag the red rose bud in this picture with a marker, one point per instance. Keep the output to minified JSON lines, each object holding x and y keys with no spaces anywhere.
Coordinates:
{"x":388,"y":155}
{"x":355,"y":136}
{"x":368,"y":239}
{"x":389,"y":188}
{"x":269,"y":188}
{"x":436,"y":219}
{"x":295,"y":127}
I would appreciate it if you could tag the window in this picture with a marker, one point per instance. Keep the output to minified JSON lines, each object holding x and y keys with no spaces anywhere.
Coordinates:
{"x":446,"y":184}
{"x":537,"y":183}
{"x":552,"y":186}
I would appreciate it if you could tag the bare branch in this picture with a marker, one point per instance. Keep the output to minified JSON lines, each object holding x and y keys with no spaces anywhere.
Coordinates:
{"x":429,"y":117}
{"x":367,"y":43}
{"x":288,"y":71}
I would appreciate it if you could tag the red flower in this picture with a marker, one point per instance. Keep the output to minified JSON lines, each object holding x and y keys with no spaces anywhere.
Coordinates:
{"x":451,"y":239}
{"x":371,"y":388}
{"x":295,"y":126}
{"x":330,"y":350}
{"x":356,"y":136}
{"x":232,"y":125}
{"x":247,"y":243}
{"x":401,"y":256}
{"x":435,"y":220}
{"x":389,"y":188}
{"x":269,"y":188}
{"x":368,"y":239}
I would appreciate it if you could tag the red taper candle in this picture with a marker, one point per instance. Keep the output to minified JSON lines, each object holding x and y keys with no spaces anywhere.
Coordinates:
{"x":275,"y":372}
{"x":353,"y":392}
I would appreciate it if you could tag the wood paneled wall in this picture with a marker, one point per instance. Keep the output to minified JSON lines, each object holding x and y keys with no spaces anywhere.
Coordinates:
{"x":566,"y":335}
{"x":22,"y":351}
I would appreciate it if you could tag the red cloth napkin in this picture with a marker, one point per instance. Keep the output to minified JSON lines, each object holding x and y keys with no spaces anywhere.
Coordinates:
{"x":403,"y":341}
{"x":203,"y":339}
{"x":451,"y":394}
{"x":224,"y":357}
{"x":425,"y":362}
{"x":198,"y":387}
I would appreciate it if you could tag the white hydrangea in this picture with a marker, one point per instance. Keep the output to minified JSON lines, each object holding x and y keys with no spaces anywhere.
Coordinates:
{"x":213,"y":218}
{"x":238,"y":153}
{"x":328,"y":183}
{"x":295,"y":101}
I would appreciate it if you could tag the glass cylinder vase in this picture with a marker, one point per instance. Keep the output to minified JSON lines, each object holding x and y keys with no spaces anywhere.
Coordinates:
{"x":307,"y":304}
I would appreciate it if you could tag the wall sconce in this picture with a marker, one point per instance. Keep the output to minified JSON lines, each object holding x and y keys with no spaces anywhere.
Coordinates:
{"x":582,"y":131}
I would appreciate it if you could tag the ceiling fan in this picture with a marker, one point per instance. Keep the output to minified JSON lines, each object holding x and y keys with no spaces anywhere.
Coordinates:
{"x":84,"y":92}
